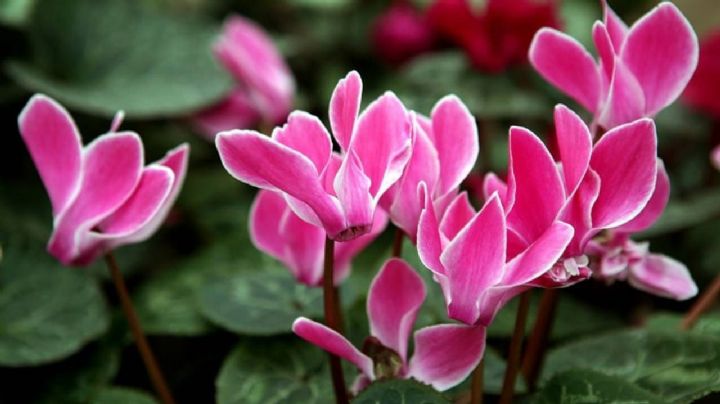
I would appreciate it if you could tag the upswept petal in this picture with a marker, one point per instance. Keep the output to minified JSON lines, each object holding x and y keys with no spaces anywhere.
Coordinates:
{"x":663,"y":276}
{"x":454,"y":134}
{"x":458,"y":214}
{"x":655,"y":206}
{"x":605,"y":49}
{"x":539,"y":257}
{"x":563,"y":61}
{"x":475,"y":260}
{"x":661,"y":50}
{"x":344,"y":108}
{"x":259,"y":161}
{"x":495,"y":299}
{"x":266,"y":213}
{"x":617,"y":29}
{"x":54,"y":143}
{"x":577,"y":212}
{"x":625,"y":100}
{"x":445,"y":354}
{"x":491,"y":184}
{"x":331,"y":341}
{"x":303,"y":248}
{"x":535,"y":189}
{"x":429,"y":243}
{"x":394,"y":299}
{"x":352,"y":187}
{"x":574,"y":144}
{"x":306,"y":134}
{"x":625,"y":160}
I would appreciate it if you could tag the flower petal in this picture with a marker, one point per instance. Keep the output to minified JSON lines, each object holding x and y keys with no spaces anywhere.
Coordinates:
{"x":617,"y":29}
{"x":539,"y":257}
{"x":266,"y":213}
{"x":605,"y":49}
{"x":563,"y":61}
{"x":577,"y":212}
{"x":429,"y":243}
{"x":344,"y":107}
{"x":663,"y":276}
{"x":625,"y":160}
{"x":445,"y":354}
{"x":394,"y":299}
{"x":475,"y":260}
{"x":625,"y":100}
{"x":352,"y":187}
{"x":234,"y":112}
{"x":655,"y":206}
{"x":574,"y":144}
{"x":661,"y":50}
{"x":457,"y":215}
{"x":303,"y":245}
{"x":306,"y":134}
{"x":331,"y":341}
{"x":54,"y":144}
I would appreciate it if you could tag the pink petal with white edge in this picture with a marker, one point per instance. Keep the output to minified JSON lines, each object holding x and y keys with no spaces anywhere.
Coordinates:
{"x":306,"y":134}
{"x":266,"y":213}
{"x":625,"y":101}
{"x":112,"y":166}
{"x":457,"y":215}
{"x":475,"y":260}
{"x":578,"y":212}
{"x":563,"y":61}
{"x":663,"y":276}
{"x":352,"y":187}
{"x":446,"y":354}
{"x":491,"y":184}
{"x":605,"y":49}
{"x":255,"y":159}
{"x":429,"y":243}
{"x":344,"y":107}
{"x":655,"y":206}
{"x":661,"y":50}
{"x":382,"y":142}
{"x":535,"y":189}
{"x":617,"y":29}
{"x":455,"y":136}
{"x":625,"y":160}
{"x":539,"y":257}
{"x":54,"y":144}
{"x":394,"y":299}
{"x":574,"y":144}
{"x":495,"y":299}
{"x":331,"y":341}
{"x":346,"y":251}
{"x":303,"y":248}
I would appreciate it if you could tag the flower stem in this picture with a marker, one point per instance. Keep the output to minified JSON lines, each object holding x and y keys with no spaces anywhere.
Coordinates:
{"x":476,"y":384}
{"x":332,"y":320}
{"x":535,"y":351}
{"x":397,"y":246}
{"x":513,"y":361}
{"x":703,"y":303}
{"x":146,"y":353}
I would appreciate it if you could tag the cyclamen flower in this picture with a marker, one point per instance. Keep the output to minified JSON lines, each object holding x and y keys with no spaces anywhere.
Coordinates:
{"x":498,"y":36}
{"x":265,"y":85}
{"x":620,"y":258}
{"x":642,"y":69}
{"x":444,"y":151}
{"x":101,"y":195}
{"x":401,"y":33}
{"x":702,"y":90}
{"x":338,"y":192}
{"x":443,"y":355}
{"x":277,"y":231}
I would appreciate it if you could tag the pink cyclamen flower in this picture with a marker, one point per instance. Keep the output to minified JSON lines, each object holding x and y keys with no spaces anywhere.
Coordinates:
{"x":265,"y":85}
{"x":101,"y":194}
{"x":444,"y":151}
{"x":443,"y":354}
{"x":401,"y":33}
{"x":276,"y":230}
{"x":642,"y":69}
{"x":338,"y":192}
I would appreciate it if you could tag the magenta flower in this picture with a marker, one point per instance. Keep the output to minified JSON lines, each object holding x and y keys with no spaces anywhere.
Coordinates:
{"x":265,"y":85}
{"x":338,"y":192}
{"x":642,"y":69}
{"x":402,"y":32}
{"x":620,"y":258}
{"x":101,"y":195}
{"x":444,"y":151}
{"x":276,"y":230}
{"x":443,"y":355}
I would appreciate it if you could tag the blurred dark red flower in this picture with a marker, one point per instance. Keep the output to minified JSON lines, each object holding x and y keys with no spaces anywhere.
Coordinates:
{"x":401,"y":33}
{"x":497,"y":36}
{"x":702,"y":90}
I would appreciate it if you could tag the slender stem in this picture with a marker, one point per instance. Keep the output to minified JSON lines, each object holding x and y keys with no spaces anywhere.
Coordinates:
{"x":535,"y":351}
{"x":146,"y":353}
{"x":513,"y":361}
{"x":332,"y":320}
{"x":476,"y":384}
{"x":703,"y":303}
{"x":397,"y":246}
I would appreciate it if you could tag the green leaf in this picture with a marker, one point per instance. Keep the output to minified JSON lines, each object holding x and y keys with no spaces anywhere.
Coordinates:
{"x":258,"y":303}
{"x":708,"y":324}
{"x":123,"y":395}
{"x":400,"y":392}
{"x":15,"y":12}
{"x":88,"y":58}
{"x":47,"y":312}
{"x":686,"y":213}
{"x":587,"y":386}
{"x":677,"y":366}
{"x":274,"y":370}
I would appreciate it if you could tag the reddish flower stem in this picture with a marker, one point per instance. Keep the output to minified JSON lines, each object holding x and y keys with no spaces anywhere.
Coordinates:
{"x":397,"y":246}
{"x":513,"y":361}
{"x":476,"y":383}
{"x":702,"y":304}
{"x":146,"y":353}
{"x":537,"y":344}
{"x":332,"y":320}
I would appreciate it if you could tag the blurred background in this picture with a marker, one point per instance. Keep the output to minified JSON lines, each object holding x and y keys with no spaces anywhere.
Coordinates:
{"x":199,"y":284}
